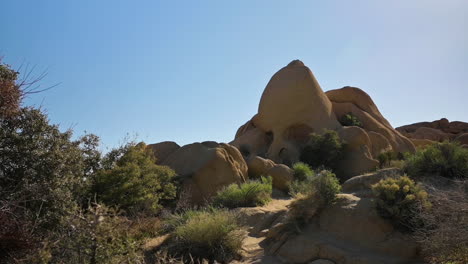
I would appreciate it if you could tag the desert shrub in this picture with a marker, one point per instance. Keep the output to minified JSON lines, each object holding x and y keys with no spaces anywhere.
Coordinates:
{"x":209,"y":234}
{"x":447,"y":159}
{"x":391,"y":159}
{"x":325,"y":184}
{"x":249,"y":194}
{"x":350,"y":119}
{"x":401,"y":200}
{"x":323,"y":150}
{"x":135,"y":183}
{"x":302,"y":171}
{"x":312,"y":195}
{"x":98,"y":234}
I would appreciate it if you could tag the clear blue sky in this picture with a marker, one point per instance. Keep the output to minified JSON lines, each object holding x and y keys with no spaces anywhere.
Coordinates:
{"x":194,"y":70}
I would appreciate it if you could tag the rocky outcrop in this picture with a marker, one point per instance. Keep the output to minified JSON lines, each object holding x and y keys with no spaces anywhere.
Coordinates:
{"x":206,"y":168}
{"x":163,"y":149}
{"x":281,"y":174}
{"x":361,"y":185}
{"x":351,"y":232}
{"x":293,"y":106}
{"x":360,"y":104}
{"x":435,"y":131}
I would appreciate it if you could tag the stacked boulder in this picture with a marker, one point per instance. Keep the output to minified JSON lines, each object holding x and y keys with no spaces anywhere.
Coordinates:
{"x":425,"y":133}
{"x":293,"y":106}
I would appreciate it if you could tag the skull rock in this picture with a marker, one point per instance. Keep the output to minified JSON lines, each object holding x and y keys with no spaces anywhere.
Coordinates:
{"x":291,"y":107}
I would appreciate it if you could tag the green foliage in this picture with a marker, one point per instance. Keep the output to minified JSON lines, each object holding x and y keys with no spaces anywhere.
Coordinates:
{"x":249,"y":194}
{"x":447,"y":159}
{"x":400,"y":200}
{"x":135,"y":183}
{"x":350,"y":119}
{"x":323,"y":150}
{"x":209,"y":234}
{"x":302,"y":171}
{"x":327,"y":186}
{"x":41,"y":168}
{"x":311,"y":195}
{"x":96,"y":235}
{"x":390,"y":159}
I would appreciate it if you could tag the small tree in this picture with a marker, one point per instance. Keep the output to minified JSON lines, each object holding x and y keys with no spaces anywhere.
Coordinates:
{"x":135,"y":183}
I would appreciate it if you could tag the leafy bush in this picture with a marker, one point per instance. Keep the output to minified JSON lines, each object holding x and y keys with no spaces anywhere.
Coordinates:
{"x":350,"y":119}
{"x":249,"y":194}
{"x":391,"y":159}
{"x":401,"y":200}
{"x":95,"y":235}
{"x":302,"y":171}
{"x":41,"y":168}
{"x":209,"y":234}
{"x":447,"y":159}
{"x":311,"y":195}
{"x":323,"y":150}
{"x":135,"y":184}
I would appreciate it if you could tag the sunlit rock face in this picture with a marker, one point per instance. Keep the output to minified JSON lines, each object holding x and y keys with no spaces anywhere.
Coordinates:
{"x":293,"y":105}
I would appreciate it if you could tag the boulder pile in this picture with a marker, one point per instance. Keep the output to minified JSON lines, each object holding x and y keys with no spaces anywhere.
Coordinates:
{"x":424,"y":133}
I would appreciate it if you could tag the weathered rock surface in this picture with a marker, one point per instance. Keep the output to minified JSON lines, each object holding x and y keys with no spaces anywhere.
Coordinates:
{"x":259,"y":166}
{"x":361,"y":185}
{"x":349,"y":232}
{"x":282,"y":176}
{"x":359,"y":103}
{"x":163,"y":149}
{"x":436,"y":131}
{"x":293,"y":106}
{"x":207,"y":167}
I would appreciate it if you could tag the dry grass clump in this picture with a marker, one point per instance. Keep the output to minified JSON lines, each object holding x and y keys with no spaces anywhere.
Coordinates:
{"x":210,"y":234}
{"x":250,"y":194}
{"x":444,"y":237}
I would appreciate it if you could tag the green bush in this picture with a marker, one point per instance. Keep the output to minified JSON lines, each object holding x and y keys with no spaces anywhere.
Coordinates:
{"x":208,"y":234}
{"x":323,"y":184}
{"x":400,"y":200}
{"x":350,"y":119}
{"x":447,"y":159}
{"x":302,"y":171}
{"x":135,"y":184}
{"x":303,"y":179}
{"x":323,"y":150}
{"x":249,"y":194}
{"x":96,"y":235}
{"x":312,"y":195}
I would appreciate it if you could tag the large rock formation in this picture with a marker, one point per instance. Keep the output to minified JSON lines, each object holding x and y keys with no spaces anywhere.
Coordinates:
{"x":293,"y":105}
{"x":349,"y":231}
{"x":162,"y":150}
{"x":206,"y":168}
{"x":424,"y":133}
